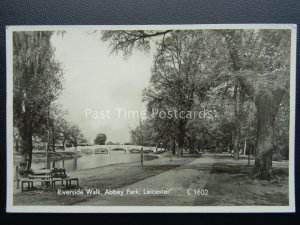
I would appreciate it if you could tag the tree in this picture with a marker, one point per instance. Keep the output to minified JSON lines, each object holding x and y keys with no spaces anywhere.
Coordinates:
{"x":76,"y":136}
{"x":65,"y":128}
{"x":37,"y":83}
{"x":100,"y":139}
{"x":254,"y":67}
{"x":125,"y":41}
{"x":183,"y":69}
{"x":16,"y":137}
{"x":281,"y":131}
{"x":145,"y":134}
{"x":186,"y":66}
{"x":55,"y":125}
{"x":263,"y":75}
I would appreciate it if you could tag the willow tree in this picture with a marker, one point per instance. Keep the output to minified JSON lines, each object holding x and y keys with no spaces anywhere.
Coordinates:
{"x":37,"y":80}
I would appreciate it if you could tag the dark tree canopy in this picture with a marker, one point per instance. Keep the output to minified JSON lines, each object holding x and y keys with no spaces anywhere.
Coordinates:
{"x":100,"y":139}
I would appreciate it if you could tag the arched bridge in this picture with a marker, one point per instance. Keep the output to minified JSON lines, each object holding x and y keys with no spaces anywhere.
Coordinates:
{"x":126,"y":149}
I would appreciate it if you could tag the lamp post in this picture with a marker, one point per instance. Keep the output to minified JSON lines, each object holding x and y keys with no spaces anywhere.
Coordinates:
{"x":47,"y":165}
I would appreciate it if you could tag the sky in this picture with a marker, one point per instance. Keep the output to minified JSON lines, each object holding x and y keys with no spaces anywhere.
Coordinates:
{"x":97,"y":81}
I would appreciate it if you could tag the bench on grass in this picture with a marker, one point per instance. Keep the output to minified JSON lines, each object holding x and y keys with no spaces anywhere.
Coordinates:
{"x":47,"y":178}
{"x":58,"y":173}
{"x":23,"y":181}
{"x":44,"y":179}
{"x":29,"y":182}
{"x":67,"y":180}
{"x":52,"y":182}
{"x":30,"y":179}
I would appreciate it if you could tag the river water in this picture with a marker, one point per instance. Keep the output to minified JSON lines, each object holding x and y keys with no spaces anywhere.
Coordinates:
{"x":90,"y":161}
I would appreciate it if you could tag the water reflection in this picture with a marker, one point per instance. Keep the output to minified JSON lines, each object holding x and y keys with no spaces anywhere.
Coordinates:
{"x":90,"y":161}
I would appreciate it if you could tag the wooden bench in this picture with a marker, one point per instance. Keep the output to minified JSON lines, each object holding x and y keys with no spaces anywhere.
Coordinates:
{"x":58,"y":173}
{"x":41,"y":177}
{"x":29,"y":182}
{"x":44,"y":179}
{"x":67,"y":180}
{"x":51,"y":182}
{"x":47,"y":177}
{"x":24,"y":181}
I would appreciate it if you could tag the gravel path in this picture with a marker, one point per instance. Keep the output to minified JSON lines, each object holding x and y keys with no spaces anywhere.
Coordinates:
{"x":180,"y":184}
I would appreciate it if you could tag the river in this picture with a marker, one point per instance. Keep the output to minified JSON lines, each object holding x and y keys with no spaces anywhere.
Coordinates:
{"x":89,"y":161}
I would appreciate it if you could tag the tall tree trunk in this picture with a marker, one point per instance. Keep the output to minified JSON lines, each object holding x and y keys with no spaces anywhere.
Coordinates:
{"x":165,"y":146}
{"x":267,"y":106}
{"x":17,"y":144}
{"x":64,"y":144}
{"x":245,"y":147}
{"x":25,"y":132}
{"x":236,"y":143}
{"x":29,"y":147}
{"x":26,"y":153}
{"x":198,"y":145}
{"x":174,"y":147}
{"x":237,"y":130}
{"x":180,"y":144}
{"x":53,"y":140}
{"x":236,"y":64}
{"x":191,"y":145}
{"x":181,"y":136}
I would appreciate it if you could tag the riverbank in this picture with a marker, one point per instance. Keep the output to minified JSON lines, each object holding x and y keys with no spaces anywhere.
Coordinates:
{"x":111,"y":176}
{"x":210,"y":180}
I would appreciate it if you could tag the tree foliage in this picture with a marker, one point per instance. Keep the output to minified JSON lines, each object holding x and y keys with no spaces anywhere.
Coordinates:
{"x":241,"y":75}
{"x":100,"y":139}
{"x":38,"y":81}
{"x":37,"y":77}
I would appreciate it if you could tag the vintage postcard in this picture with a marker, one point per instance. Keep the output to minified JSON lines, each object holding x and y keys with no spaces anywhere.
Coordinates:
{"x":162,"y":118}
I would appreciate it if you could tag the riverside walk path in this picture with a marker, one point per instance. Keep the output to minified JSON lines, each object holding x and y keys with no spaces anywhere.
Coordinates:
{"x":209,"y":180}
{"x":176,"y":186}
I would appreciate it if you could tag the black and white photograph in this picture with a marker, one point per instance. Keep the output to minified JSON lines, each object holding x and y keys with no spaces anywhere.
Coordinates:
{"x":151,"y":118}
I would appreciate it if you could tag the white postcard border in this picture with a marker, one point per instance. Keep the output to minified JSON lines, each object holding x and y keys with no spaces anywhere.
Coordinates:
{"x":139,"y":209}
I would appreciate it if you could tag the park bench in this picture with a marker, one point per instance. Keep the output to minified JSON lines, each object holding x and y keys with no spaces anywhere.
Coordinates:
{"x":48,"y":178}
{"x":68,"y":182}
{"x":23,"y":181}
{"x":58,"y":173}
{"x":44,"y":179}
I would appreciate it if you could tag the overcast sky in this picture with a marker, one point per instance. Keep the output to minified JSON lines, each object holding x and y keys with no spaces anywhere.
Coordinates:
{"x":97,"y":80}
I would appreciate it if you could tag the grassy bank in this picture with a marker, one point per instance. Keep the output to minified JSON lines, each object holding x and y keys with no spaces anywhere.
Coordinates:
{"x":112,"y":176}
